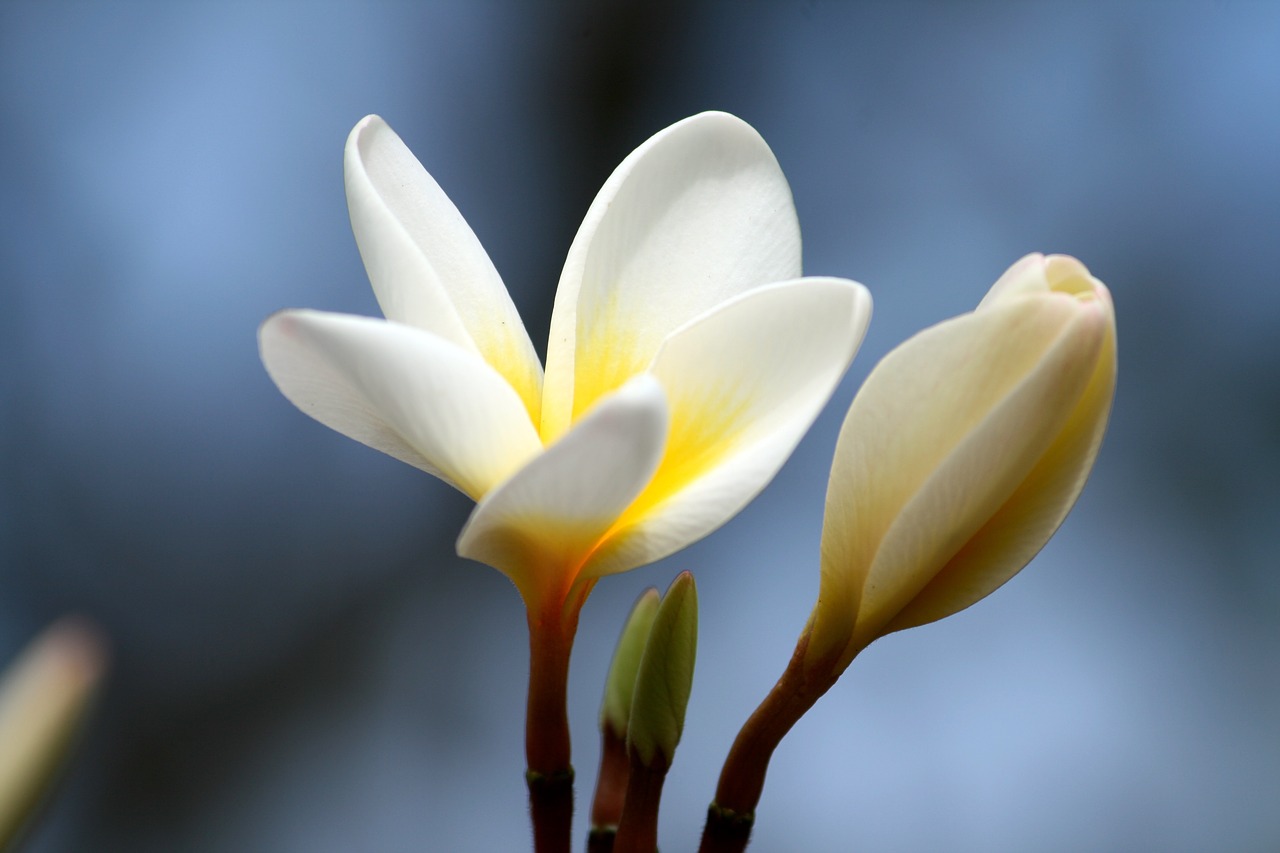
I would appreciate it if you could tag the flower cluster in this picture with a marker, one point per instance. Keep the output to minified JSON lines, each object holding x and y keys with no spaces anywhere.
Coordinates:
{"x":686,"y":359}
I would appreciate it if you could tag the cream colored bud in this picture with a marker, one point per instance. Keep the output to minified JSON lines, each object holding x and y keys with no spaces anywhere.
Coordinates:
{"x":665,"y":677}
{"x":962,"y":454}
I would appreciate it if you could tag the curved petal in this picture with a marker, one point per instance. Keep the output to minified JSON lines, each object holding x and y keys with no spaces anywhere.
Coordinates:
{"x":403,"y":391}
{"x":425,"y":263}
{"x":928,"y":453}
{"x":1026,"y":276}
{"x":1022,"y":526}
{"x":1037,"y":275}
{"x":745,"y":382}
{"x":696,"y":215}
{"x":540,"y":526}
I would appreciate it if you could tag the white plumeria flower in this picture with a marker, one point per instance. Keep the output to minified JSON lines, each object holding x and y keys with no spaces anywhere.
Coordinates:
{"x":962,"y":454}
{"x":686,"y":357}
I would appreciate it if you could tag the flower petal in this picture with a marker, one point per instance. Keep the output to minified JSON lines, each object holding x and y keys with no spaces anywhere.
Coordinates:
{"x":408,"y":393}
{"x":539,"y":526}
{"x":425,"y":263}
{"x":745,"y":382}
{"x":1037,"y":275}
{"x":940,"y":435}
{"x":696,"y":215}
{"x":1025,"y":277}
{"x":1022,"y":526}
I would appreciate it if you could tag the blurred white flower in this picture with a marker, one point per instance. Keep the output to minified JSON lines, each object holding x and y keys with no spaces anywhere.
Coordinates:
{"x":44,"y":695}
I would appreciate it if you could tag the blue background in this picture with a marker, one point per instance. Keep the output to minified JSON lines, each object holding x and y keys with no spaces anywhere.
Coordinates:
{"x":300,"y":662}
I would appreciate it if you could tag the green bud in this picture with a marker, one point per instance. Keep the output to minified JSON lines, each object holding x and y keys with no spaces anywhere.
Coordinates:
{"x":666,"y":675}
{"x":621,"y":682}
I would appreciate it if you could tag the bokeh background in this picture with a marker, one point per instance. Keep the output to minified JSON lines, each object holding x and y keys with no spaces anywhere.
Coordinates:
{"x":300,"y":662}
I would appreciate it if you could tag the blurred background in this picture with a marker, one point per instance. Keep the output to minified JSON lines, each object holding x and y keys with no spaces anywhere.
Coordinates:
{"x":300,"y":662}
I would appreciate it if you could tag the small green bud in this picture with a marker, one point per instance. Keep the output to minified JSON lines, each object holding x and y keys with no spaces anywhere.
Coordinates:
{"x":665,"y":677}
{"x":620,"y":684}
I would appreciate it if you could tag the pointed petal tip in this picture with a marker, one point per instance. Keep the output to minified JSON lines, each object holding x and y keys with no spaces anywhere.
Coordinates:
{"x":369,"y":123}
{"x":644,"y":392}
{"x":699,"y":213}
{"x":279,"y":326}
{"x":720,"y":118}
{"x":403,"y":391}
{"x":354,"y":150}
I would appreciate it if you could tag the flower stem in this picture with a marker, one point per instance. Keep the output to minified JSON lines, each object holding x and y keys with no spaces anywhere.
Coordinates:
{"x":547,"y":744}
{"x":731,"y":815}
{"x":638,"y":828}
{"x":611,"y":790}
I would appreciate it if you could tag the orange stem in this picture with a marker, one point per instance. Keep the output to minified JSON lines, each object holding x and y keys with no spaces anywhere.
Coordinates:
{"x":638,"y":828}
{"x":547,"y":743}
{"x":731,"y":815}
{"x":611,"y":782}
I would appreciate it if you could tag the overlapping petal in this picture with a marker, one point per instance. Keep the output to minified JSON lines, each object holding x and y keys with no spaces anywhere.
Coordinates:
{"x":413,"y":395}
{"x":695,"y":216}
{"x":940,"y":438}
{"x":745,"y":382}
{"x":1022,"y":525}
{"x":670,"y":292}
{"x":539,"y":526}
{"x":425,"y":263}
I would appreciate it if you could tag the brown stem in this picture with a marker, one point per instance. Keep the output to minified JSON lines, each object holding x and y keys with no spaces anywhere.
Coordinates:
{"x":611,"y":783}
{"x":638,"y":828}
{"x":547,"y":744}
{"x":731,"y":815}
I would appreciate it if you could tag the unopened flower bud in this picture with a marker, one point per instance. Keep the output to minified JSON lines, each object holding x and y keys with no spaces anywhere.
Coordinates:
{"x":620,"y":684}
{"x":666,"y":675}
{"x":962,"y":454}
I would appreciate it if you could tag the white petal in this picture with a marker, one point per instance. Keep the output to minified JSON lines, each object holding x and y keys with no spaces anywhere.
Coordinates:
{"x":745,"y":382}
{"x":696,"y":215}
{"x":939,"y":436}
{"x":425,"y":263}
{"x":1031,"y":515}
{"x":1038,"y":275}
{"x":540,"y":525}
{"x":403,"y":391}
{"x":1025,"y":277}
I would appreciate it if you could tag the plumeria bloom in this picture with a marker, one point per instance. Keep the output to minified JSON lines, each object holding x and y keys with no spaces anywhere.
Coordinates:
{"x":685,"y":362}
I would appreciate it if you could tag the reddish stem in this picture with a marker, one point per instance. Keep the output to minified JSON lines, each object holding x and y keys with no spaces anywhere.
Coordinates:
{"x":547,"y":744}
{"x":730,"y":817}
{"x":638,"y":828}
{"x":611,"y":783}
